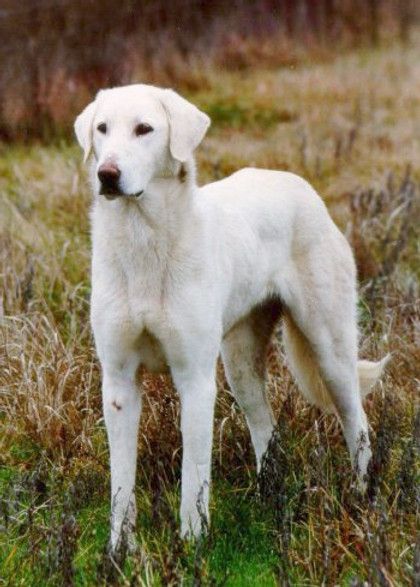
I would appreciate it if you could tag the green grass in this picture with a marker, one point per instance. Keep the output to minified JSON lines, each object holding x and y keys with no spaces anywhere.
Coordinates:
{"x":239,"y":550}
{"x":56,"y":518}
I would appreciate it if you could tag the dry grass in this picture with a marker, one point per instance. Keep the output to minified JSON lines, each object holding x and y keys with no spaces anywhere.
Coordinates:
{"x":349,"y":127}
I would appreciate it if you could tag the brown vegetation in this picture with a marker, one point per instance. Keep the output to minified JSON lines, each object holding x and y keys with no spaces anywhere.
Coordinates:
{"x":56,"y":54}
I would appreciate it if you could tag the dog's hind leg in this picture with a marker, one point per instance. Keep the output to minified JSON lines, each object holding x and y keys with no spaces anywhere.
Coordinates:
{"x":244,"y":352}
{"x":324,"y":364}
{"x":321,"y":346}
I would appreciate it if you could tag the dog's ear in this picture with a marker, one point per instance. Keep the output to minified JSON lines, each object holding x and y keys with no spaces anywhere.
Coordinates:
{"x":83,"y":128}
{"x":187,"y":125}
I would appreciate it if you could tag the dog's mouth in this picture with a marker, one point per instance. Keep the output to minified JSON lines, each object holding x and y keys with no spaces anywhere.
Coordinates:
{"x":114,"y":194}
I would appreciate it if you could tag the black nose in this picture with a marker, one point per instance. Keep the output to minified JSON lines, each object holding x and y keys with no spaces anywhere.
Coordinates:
{"x":109,"y":174}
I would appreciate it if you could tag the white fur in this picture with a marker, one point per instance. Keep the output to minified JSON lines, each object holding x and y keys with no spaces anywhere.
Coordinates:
{"x":183,"y":273}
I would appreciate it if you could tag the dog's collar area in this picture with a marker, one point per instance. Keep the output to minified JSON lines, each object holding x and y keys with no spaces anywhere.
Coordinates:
{"x":182,"y":174}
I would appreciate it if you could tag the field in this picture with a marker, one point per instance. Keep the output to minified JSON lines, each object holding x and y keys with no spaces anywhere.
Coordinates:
{"x":350,"y":125}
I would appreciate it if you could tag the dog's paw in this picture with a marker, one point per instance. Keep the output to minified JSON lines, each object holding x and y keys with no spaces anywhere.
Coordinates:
{"x":132,"y":544}
{"x":125,"y":544}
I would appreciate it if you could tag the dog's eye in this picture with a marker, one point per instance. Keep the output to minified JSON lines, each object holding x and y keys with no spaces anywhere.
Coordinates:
{"x":142,"y":129}
{"x":102,"y":128}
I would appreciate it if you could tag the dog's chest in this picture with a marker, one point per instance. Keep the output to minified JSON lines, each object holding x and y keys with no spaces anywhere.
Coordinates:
{"x":148,"y":286}
{"x":145,"y":289}
{"x":147,"y":294}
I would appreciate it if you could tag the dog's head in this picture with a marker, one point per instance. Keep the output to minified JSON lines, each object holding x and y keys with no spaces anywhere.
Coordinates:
{"x":138,"y":133}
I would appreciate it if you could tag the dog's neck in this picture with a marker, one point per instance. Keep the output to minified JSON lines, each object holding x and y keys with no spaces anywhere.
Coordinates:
{"x":182,"y":176}
{"x":163,"y":220}
{"x":166,"y":207}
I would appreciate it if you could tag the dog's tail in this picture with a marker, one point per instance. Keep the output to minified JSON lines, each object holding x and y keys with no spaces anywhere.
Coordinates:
{"x":304,"y":367}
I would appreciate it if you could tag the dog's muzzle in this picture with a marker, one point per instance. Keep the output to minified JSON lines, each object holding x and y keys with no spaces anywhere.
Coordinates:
{"x":109,"y":176}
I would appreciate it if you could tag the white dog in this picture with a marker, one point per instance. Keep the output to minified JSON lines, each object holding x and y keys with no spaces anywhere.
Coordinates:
{"x":180,"y":273}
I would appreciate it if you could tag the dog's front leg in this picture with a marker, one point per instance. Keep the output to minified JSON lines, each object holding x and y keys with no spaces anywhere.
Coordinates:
{"x":122,"y":405}
{"x":197,"y":390}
